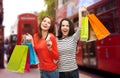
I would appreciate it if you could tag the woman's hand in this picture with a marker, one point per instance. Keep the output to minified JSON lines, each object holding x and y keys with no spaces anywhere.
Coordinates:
{"x":83,"y":9}
{"x":49,"y":45}
{"x":29,"y":38}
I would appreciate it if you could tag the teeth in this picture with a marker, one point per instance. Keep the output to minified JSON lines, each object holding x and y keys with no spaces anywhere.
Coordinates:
{"x":64,"y":31}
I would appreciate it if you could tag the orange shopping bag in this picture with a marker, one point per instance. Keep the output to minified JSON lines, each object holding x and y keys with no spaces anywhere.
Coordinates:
{"x":98,"y":28}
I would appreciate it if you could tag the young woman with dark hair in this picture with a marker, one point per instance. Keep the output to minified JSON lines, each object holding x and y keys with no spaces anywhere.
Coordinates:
{"x":67,"y":43}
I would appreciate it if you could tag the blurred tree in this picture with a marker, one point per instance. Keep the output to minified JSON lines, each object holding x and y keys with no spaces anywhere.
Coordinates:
{"x":50,"y":11}
{"x":41,"y":14}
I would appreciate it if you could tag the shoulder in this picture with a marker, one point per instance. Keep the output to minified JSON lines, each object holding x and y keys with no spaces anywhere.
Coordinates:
{"x":52,"y":36}
{"x":35,"y":36}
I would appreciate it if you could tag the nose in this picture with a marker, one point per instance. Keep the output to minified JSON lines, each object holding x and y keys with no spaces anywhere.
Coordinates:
{"x":45,"y":23}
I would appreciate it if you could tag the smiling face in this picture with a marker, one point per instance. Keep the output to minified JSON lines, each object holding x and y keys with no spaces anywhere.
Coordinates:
{"x":65,"y":28}
{"x":45,"y":24}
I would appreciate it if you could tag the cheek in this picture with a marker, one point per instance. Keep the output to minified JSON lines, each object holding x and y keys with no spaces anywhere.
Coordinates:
{"x":48,"y":27}
{"x":62,"y":28}
{"x":68,"y":28}
{"x":41,"y":27}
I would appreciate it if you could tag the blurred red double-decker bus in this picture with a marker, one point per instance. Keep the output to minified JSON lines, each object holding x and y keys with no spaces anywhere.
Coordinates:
{"x":103,"y":54}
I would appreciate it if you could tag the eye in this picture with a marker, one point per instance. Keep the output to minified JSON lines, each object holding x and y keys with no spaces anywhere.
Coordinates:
{"x":67,"y":25}
{"x":49,"y":22}
{"x":63,"y":25}
{"x":44,"y":20}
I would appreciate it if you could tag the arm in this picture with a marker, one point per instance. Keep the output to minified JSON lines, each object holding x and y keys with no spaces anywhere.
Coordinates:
{"x":77,"y":33}
{"x":54,"y":51}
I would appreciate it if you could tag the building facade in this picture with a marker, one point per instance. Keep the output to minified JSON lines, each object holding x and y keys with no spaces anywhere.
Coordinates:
{"x":1,"y":36}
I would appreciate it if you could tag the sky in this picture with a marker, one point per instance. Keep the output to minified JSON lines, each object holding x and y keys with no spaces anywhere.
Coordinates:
{"x":12,"y":8}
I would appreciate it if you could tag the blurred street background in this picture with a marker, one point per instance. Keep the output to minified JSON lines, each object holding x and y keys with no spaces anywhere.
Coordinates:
{"x":18,"y":17}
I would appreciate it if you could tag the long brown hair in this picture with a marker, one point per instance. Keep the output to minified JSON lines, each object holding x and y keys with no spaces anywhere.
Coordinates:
{"x":52,"y":27}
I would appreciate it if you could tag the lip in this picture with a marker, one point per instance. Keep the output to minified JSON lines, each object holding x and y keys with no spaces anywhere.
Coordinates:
{"x":44,"y":26}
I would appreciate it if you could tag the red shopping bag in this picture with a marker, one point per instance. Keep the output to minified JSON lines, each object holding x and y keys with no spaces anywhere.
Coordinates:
{"x":98,"y":28}
{"x":27,"y":66}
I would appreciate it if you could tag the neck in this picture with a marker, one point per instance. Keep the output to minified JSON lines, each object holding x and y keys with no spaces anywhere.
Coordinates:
{"x":44,"y":34}
{"x":64,"y":36}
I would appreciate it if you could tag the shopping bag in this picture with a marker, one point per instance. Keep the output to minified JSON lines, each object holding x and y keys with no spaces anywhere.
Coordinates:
{"x":84,"y":29}
{"x":33,"y":56}
{"x":99,"y":29}
{"x":92,"y":36}
{"x":27,"y":66}
{"x":18,"y":59}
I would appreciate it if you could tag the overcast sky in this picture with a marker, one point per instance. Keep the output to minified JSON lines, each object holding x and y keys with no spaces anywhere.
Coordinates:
{"x":12,"y":8}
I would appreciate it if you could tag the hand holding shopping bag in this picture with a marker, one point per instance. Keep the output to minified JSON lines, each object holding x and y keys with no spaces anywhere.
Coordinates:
{"x":92,"y":28}
{"x":84,"y":29}
{"x":83,"y":22}
{"x":22,"y":57}
{"x":29,"y":42}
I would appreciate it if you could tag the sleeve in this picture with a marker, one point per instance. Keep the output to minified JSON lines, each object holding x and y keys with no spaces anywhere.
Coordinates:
{"x":54,"y":51}
{"x":77,"y":34}
{"x":35,"y":42}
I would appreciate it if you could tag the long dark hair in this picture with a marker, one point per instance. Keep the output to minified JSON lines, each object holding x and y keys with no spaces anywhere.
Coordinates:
{"x":71,"y":31}
{"x":51,"y":30}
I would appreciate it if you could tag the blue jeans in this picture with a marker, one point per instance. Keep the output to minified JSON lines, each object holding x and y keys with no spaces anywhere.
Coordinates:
{"x":49,"y":74}
{"x":71,"y":74}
